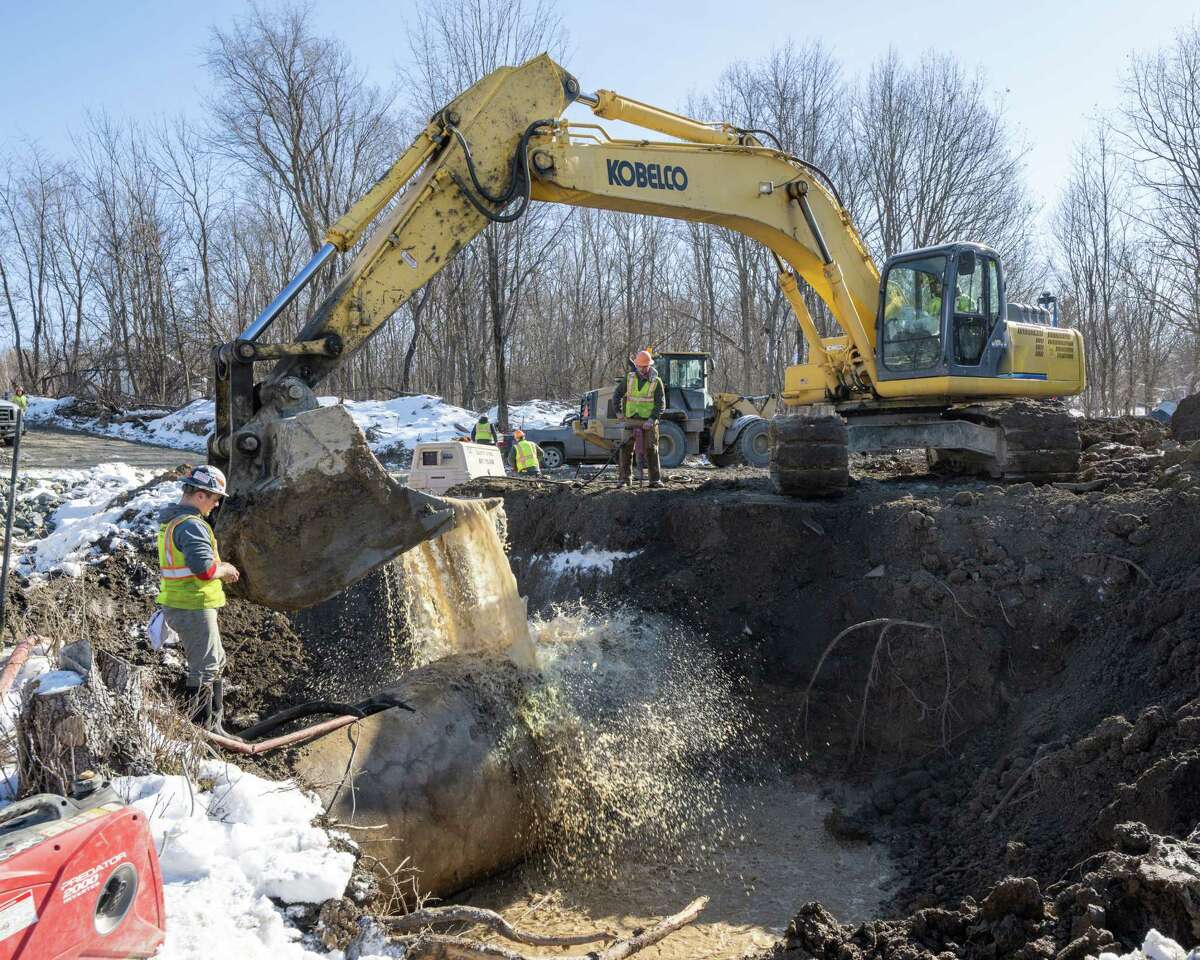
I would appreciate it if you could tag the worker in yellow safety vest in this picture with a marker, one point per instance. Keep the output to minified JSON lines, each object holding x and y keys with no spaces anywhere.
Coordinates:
{"x":527,"y":455}
{"x":640,"y":399}
{"x":482,"y":432}
{"x":191,"y":578}
{"x":20,"y":399}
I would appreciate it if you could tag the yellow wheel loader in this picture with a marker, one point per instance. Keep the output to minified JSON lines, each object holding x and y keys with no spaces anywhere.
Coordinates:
{"x":931,"y":354}
{"x":728,"y":429}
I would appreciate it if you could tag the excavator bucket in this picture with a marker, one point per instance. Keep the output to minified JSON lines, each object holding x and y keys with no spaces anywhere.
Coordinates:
{"x":321,"y":514}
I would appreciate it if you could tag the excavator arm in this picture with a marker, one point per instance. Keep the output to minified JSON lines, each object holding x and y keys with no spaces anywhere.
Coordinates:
{"x":310,"y":509}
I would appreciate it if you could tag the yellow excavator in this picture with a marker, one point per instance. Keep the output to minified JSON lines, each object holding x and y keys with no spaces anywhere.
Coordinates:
{"x":931,"y":354}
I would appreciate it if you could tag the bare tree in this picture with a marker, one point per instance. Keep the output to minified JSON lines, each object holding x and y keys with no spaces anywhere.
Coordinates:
{"x":1161,"y":129}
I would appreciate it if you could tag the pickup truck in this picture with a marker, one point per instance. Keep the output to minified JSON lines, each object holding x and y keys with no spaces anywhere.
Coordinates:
{"x":563,"y":445}
{"x":8,"y":422}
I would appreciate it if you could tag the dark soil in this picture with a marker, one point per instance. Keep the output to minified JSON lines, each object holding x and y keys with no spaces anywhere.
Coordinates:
{"x":1045,"y":699}
{"x":1185,"y":421}
{"x":1013,"y":684}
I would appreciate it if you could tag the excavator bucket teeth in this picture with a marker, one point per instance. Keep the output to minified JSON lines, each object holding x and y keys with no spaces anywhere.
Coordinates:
{"x":321,"y":514}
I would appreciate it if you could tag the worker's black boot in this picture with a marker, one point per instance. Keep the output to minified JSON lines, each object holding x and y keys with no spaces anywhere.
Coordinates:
{"x":199,"y":704}
{"x":217,"y":722}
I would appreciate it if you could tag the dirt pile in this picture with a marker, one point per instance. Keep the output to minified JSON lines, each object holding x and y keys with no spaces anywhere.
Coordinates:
{"x":1109,"y":903}
{"x":1185,"y":421}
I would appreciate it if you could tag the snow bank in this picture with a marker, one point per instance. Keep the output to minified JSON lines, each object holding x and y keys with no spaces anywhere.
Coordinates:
{"x":227,"y":851}
{"x":394,"y":425}
{"x":389,"y":425}
{"x":185,"y":429}
{"x":535,"y":414}
{"x":88,"y":514}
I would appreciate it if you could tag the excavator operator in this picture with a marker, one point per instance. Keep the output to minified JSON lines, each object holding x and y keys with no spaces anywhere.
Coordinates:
{"x":640,"y":400}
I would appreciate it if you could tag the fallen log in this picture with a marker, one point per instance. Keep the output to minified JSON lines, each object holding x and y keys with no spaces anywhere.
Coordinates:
{"x":432,"y":946}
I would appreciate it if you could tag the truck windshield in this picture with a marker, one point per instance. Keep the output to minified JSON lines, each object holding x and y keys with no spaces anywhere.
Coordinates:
{"x":687,"y":374}
{"x":912,"y":314}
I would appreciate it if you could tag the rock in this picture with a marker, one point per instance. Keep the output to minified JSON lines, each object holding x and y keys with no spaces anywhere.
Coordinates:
{"x":1185,"y":421}
{"x":1145,"y":731}
{"x":1142,"y":534}
{"x":1032,"y":574}
{"x":1015,"y":852}
{"x":1018,"y":897}
{"x":964,"y":498}
{"x":337,"y":923}
{"x":1132,"y":837}
{"x":1122,"y":524}
{"x":815,"y":930}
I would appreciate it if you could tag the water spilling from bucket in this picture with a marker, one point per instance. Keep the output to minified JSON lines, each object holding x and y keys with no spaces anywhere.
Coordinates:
{"x":460,"y":595}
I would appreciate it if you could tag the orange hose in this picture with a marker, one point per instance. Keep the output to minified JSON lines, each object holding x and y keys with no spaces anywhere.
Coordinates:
{"x":15,"y":661}
{"x":285,"y":740}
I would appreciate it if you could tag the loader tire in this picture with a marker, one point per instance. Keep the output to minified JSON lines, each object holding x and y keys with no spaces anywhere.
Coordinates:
{"x":809,"y":455}
{"x":730,"y":458}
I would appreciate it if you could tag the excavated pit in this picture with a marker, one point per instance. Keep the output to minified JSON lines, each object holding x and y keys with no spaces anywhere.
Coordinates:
{"x":697,"y":729}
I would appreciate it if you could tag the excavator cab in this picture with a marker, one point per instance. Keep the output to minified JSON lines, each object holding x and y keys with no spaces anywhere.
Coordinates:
{"x":942,"y":313}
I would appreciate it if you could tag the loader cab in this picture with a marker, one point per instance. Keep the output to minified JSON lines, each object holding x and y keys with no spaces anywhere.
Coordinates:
{"x":941,"y":313}
{"x":685,"y":377}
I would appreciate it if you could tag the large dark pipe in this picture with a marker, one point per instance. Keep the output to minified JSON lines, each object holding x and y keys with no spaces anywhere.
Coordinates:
{"x":446,"y":789}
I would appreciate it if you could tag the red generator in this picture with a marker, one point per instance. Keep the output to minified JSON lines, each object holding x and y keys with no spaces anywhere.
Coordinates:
{"x":79,"y":878}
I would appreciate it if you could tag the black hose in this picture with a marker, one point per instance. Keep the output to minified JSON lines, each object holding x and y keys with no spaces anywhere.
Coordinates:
{"x":520,"y":182}
{"x":312,"y":708}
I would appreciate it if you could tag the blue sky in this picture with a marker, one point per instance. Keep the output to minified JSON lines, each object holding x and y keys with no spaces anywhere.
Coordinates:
{"x":1057,"y":63}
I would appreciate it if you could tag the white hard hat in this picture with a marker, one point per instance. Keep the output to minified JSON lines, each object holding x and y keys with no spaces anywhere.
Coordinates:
{"x":205,"y":477}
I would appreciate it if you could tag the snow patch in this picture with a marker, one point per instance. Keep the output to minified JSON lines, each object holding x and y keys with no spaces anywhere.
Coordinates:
{"x":229,"y":850}
{"x":88,"y":514}
{"x":588,"y":559}
{"x":56,"y":681}
{"x":389,"y":425}
{"x":535,"y":414}
{"x":1156,"y":947}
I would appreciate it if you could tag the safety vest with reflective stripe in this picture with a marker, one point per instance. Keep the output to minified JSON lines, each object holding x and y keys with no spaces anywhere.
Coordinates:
{"x":639,"y":397}
{"x":483,"y":432}
{"x":527,"y":458}
{"x":177,"y":586}
{"x":22,"y":401}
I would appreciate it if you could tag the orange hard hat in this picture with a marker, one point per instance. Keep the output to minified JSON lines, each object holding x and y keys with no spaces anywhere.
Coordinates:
{"x":643,"y":359}
{"x":519,"y":434}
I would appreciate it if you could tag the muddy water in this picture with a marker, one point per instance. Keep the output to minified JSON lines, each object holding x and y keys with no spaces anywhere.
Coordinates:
{"x":661,"y":792}
{"x":780,"y":858}
{"x":460,"y":595}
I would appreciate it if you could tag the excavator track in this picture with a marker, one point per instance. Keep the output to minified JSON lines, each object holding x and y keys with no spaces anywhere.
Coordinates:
{"x":1039,"y":441}
{"x":810,"y":453}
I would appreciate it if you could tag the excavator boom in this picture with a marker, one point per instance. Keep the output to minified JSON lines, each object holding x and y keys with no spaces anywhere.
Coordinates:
{"x":302,"y":473}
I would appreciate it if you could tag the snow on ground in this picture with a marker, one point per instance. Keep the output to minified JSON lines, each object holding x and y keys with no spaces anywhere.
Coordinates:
{"x":588,"y":559}
{"x":231,"y":846}
{"x":87,"y":515}
{"x":1156,"y":947}
{"x":226,"y":851}
{"x":389,"y":425}
{"x":535,"y":414}
{"x":185,"y":429}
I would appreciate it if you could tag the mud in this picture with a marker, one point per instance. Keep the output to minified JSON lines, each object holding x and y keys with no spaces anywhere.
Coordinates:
{"x":1044,"y":611}
{"x":1185,"y":421}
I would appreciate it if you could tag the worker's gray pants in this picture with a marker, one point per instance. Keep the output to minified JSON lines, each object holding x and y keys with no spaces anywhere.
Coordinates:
{"x":201,"y":641}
